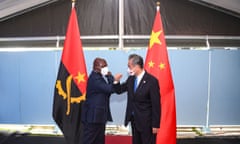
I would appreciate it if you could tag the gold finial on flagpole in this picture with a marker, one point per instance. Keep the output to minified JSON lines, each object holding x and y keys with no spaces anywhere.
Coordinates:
{"x":73,"y":3}
{"x":158,"y":5}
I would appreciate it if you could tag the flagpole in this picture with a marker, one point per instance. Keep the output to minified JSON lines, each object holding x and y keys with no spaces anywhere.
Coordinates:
{"x":206,"y":128}
{"x":121,"y":24}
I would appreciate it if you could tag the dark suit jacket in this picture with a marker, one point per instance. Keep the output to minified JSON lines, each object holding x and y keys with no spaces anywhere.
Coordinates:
{"x":144,"y":104}
{"x":96,"y":108}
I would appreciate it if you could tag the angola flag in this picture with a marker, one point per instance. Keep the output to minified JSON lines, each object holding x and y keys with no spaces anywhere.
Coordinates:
{"x":157,"y":64}
{"x":70,"y":88}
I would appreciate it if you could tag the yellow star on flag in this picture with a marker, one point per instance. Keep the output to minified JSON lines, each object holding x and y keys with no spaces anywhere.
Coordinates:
{"x":80,"y":77}
{"x":151,"y":64}
{"x":162,"y":66}
{"x":154,"y":38}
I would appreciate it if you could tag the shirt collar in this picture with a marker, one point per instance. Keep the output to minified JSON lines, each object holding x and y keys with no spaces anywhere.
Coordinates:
{"x":140,"y":76}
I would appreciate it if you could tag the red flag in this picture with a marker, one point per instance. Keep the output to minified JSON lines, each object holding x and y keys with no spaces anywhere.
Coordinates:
{"x":157,"y":64}
{"x":70,"y":88}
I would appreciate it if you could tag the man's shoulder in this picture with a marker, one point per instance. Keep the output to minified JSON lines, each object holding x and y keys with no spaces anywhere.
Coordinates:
{"x":94,"y":76}
{"x":149,"y":75}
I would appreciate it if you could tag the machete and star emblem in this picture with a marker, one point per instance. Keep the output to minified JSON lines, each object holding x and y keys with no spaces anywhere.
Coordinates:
{"x":67,"y":95}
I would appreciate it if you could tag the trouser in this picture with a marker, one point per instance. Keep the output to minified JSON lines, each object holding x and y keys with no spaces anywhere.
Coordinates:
{"x":142,"y":137}
{"x":93,"y":133}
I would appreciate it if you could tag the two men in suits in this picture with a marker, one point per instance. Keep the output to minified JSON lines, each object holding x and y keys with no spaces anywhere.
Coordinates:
{"x":96,"y":109}
{"x":143,"y":105}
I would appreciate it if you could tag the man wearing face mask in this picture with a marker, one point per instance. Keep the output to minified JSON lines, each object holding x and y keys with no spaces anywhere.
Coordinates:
{"x":96,"y":109}
{"x":143,"y":105}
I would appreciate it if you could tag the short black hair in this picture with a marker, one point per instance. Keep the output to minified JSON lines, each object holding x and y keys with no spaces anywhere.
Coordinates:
{"x":136,"y":59}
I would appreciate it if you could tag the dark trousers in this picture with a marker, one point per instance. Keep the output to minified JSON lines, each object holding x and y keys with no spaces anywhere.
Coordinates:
{"x":142,"y":137}
{"x":93,"y":133}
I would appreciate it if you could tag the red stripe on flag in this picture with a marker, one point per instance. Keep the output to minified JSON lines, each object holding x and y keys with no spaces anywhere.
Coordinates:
{"x":72,"y":56}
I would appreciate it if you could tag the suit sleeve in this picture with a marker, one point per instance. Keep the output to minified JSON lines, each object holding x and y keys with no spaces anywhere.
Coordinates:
{"x":120,"y":88}
{"x":110,"y":79}
{"x":156,"y":104}
{"x":102,"y":86}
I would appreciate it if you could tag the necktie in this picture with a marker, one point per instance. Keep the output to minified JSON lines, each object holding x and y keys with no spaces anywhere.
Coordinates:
{"x":135,"y":84}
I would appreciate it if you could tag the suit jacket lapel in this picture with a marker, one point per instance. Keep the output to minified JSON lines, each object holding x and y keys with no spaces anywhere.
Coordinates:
{"x":131,"y":84}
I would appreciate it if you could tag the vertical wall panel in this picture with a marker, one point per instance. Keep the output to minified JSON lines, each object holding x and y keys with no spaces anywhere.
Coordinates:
{"x":190,"y":73}
{"x":225,"y":87}
{"x":9,"y":88}
{"x":37,"y":79}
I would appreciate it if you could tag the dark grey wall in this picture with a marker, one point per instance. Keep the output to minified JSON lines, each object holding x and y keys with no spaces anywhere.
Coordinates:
{"x":100,"y":17}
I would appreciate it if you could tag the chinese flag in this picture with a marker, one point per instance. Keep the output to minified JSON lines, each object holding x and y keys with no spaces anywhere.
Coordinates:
{"x":70,"y":88}
{"x":157,"y":64}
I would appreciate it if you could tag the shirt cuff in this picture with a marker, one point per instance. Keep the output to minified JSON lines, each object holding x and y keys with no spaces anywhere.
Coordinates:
{"x":115,"y":82}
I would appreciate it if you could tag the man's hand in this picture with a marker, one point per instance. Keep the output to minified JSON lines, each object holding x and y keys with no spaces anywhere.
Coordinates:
{"x":154,"y":130}
{"x":117,"y":77}
{"x":109,"y":73}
